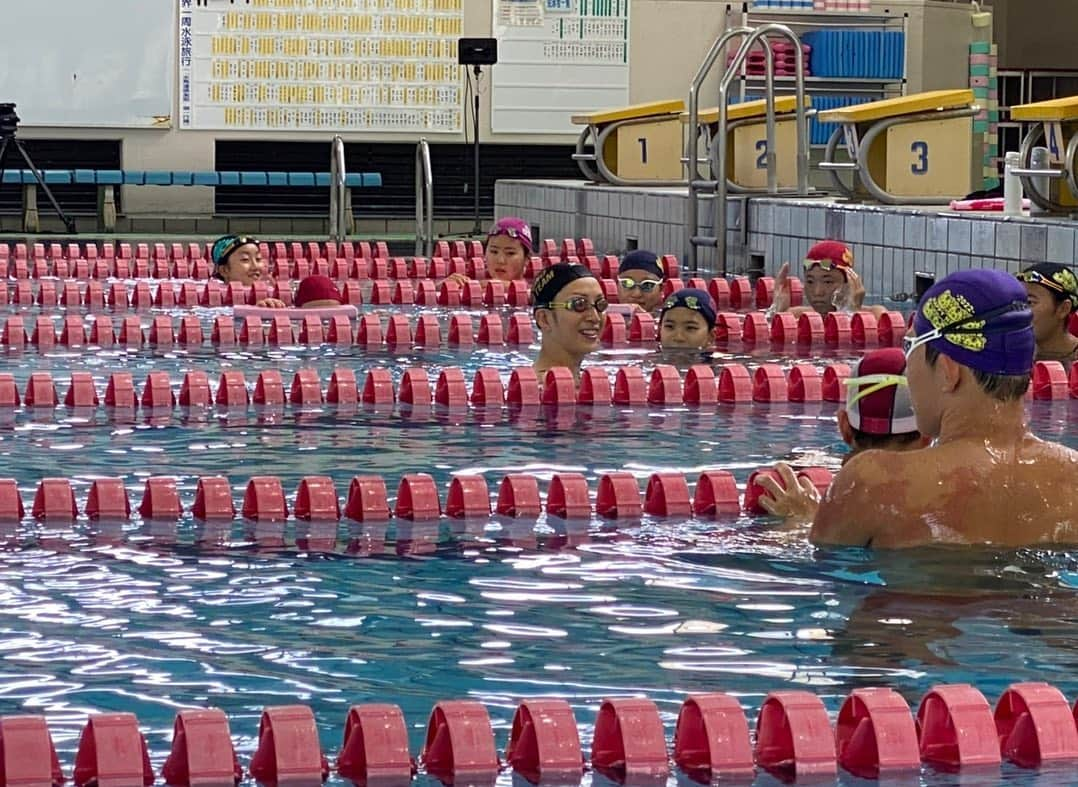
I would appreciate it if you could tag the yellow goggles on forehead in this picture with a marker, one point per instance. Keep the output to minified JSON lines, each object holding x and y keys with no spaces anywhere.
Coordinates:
{"x":1036,"y":277}
{"x":827,"y":265}
{"x":873,"y":383}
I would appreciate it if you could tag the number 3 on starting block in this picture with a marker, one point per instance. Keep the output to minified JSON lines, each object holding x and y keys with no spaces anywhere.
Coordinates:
{"x":926,"y":159}
{"x":919,"y":149}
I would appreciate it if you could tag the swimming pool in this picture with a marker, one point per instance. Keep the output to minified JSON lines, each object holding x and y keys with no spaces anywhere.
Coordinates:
{"x":152,"y":618}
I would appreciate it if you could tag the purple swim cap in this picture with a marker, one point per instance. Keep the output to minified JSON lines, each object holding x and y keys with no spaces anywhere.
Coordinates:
{"x":984,"y":321}
{"x":515,"y":228}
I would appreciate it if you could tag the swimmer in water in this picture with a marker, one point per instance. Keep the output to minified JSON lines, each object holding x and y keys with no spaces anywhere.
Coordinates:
{"x":831,"y":283}
{"x":878,"y":416}
{"x":238,"y":258}
{"x":986,"y":479}
{"x":569,"y":308}
{"x":317,"y":292}
{"x":1053,"y":297}
{"x":509,"y":245}
{"x":640,"y":280}
{"x":687,"y":320}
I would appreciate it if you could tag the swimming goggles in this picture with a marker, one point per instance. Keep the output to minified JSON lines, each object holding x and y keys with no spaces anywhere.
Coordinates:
{"x":827,"y":265}
{"x":1036,"y":277}
{"x":911,"y":343}
{"x":875,"y":382}
{"x":227,"y":245}
{"x":646,"y":286}
{"x":579,"y":304}
{"x":511,"y":232}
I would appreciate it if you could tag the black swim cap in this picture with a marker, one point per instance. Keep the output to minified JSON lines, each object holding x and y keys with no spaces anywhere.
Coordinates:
{"x":551,"y":280}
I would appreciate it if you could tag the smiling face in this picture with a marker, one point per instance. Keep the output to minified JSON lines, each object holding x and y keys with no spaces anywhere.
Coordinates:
{"x":648,"y":301}
{"x":505,"y":258}
{"x":684,"y":327}
{"x":243,"y":265}
{"x":1049,"y":316}
{"x":574,"y":333}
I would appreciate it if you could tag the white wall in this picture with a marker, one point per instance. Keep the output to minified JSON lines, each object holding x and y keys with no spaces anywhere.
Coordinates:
{"x":669,"y":39}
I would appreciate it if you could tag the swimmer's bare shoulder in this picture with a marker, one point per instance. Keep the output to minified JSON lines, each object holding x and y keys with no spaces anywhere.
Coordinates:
{"x":869,"y":502}
{"x":951,"y":494}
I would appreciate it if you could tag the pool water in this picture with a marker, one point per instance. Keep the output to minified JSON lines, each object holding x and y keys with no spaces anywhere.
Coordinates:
{"x":153,"y":618}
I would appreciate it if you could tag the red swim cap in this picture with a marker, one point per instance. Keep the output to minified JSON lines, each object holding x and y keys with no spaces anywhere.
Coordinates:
{"x":878,"y":396}
{"x":830,"y":254}
{"x":317,"y":288}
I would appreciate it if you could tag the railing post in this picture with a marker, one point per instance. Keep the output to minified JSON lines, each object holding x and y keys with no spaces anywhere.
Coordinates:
{"x":424,"y":200}
{"x":338,"y":205}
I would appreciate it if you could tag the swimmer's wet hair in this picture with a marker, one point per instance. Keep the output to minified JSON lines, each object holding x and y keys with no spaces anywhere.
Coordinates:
{"x":1002,"y":387}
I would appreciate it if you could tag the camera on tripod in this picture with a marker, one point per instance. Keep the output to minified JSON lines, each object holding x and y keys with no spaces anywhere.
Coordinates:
{"x":9,"y":121}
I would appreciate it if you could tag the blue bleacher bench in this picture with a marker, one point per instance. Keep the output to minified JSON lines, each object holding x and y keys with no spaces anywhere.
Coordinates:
{"x":107,"y":179}
{"x":138,"y":177}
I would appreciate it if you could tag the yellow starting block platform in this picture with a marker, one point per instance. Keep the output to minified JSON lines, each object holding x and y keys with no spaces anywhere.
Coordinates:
{"x":913,"y":150}
{"x":746,"y":147}
{"x":1056,"y":128}
{"x":630,"y":146}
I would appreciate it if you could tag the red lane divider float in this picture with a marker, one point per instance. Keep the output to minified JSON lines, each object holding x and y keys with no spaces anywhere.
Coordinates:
{"x":375,"y":747}
{"x":711,"y":741}
{"x":112,"y":751}
{"x":460,"y":743}
{"x":176,"y":260}
{"x":394,"y":329}
{"x":629,"y":743}
{"x":288,"y":747}
{"x":544,"y":744}
{"x":618,"y":496}
{"x":957,"y":729}
{"x":735,"y":384}
{"x":874,"y":736}
{"x":202,"y":750}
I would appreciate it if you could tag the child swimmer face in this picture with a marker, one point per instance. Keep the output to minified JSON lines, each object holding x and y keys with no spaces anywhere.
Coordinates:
{"x":687,"y":320}
{"x":684,"y":328}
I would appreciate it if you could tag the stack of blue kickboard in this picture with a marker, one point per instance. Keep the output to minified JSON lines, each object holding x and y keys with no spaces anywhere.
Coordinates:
{"x":857,"y":54}
{"x":819,"y":132}
{"x":782,"y":4}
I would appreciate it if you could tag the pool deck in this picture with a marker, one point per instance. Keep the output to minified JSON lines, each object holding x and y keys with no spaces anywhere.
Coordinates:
{"x":889,"y":242}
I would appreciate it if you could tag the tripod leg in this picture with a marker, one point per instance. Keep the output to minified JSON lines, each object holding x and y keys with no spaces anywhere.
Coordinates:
{"x":69,"y":223}
{"x":477,"y":228}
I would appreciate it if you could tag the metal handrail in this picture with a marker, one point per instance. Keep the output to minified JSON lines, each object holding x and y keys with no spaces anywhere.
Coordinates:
{"x":694,"y":100}
{"x":718,"y":145}
{"x":424,"y":200}
{"x":338,"y":224}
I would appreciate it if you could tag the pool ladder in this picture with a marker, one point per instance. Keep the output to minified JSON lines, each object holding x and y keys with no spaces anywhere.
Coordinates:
{"x":717,"y":186}
{"x":424,"y":200}
{"x":341,"y":221}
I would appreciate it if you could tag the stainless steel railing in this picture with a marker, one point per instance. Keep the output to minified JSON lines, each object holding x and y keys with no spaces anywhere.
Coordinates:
{"x":717,"y":184}
{"x":424,"y":201}
{"x":338,"y":192}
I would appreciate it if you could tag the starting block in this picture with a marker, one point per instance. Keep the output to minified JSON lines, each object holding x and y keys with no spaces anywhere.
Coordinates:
{"x":913,"y":150}
{"x":746,"y":148}
{"x":1055,"y":126}
{"x":633,"y":145}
